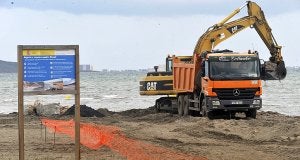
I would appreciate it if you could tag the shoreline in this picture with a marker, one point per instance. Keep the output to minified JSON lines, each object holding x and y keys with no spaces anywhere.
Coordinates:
{"x":105,"y":110}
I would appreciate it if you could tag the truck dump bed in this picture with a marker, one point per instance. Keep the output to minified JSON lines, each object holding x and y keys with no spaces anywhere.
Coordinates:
{"x":183,"y":75}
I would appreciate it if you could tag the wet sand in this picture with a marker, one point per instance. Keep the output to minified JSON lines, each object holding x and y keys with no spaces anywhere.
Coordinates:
{"x":271,"y":136}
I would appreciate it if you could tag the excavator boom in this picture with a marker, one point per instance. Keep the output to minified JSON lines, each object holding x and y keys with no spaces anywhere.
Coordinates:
{"x":224,"y":30}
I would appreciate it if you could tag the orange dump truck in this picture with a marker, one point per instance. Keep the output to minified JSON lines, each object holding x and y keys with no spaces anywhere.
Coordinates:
{"x":211,"y":81}
{"x":225,"y":81}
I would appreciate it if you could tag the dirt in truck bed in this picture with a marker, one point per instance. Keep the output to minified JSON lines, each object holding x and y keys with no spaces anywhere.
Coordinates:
{"x":270,"y":136}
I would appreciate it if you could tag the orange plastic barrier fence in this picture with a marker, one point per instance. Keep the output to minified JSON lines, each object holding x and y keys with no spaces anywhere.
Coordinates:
{"x":94,"y":136}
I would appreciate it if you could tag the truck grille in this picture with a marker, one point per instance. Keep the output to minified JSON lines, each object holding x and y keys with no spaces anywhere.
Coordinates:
{"x":239,"y":93}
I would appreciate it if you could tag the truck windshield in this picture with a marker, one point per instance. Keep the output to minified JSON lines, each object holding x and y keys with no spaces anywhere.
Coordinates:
{"x":234,"y":70}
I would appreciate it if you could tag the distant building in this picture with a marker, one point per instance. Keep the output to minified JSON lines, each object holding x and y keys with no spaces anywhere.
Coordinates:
{"x":86,"y":67}
{"x":105,"y":70}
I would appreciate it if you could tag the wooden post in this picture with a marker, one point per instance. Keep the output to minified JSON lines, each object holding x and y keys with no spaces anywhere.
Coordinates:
{"x":77,"y":107}
{"x":41,"y":130}
{"x":54,"y":136}
{"x":20,"y":103}
{"x":45,"y":134}
{"x":21,"y":94}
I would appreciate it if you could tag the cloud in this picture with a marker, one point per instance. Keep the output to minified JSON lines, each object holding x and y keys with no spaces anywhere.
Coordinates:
{"x":149,"y":7}
{"x":106,"y":41}
{"x":132,"y":42}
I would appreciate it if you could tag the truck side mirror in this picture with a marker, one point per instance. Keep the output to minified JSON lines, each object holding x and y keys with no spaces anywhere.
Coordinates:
{"x":203,"y":72}
{"x":203,"y":69}
{"x":263,"y":71}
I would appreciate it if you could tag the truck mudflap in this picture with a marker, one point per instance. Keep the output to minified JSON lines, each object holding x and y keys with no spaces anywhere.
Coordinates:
{"x":214,"y":103}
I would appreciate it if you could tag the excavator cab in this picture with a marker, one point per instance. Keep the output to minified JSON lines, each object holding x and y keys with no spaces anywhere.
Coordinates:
{"x":169,"y":64}
{"x":161,"y":82}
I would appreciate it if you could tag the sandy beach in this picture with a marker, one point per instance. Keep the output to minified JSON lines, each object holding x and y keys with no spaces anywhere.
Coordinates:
{"x":271,"y":136}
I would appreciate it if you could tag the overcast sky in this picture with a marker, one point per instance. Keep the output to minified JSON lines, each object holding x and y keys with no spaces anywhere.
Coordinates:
{"x":134,"y":34}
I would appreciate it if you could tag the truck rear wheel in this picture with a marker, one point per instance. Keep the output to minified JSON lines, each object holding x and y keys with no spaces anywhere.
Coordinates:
{"x":186,"y":105}
{"x":180,"y":105}
{"x":251,"y":113}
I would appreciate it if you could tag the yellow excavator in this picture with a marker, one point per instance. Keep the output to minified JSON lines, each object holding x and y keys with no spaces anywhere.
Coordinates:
{"x":190,"y":78}
{"x":255,"y":19}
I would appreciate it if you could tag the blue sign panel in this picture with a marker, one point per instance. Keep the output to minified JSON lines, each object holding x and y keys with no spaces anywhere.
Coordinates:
{"x":46,"y":70}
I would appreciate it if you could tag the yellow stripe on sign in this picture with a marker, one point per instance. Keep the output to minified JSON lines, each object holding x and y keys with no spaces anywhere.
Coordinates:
{"x":41,"y":52}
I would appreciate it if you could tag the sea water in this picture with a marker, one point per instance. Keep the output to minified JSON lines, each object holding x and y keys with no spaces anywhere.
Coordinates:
{"x":114,"y":90}
{"x":119,"y":90}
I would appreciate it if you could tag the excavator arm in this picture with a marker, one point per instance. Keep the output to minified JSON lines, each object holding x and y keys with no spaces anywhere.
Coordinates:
{"x":224,"y":30}
{"x":264,"y":31}
{"x":217,"y":34}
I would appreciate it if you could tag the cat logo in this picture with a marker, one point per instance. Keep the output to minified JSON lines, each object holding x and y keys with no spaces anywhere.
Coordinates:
{"x":151,"y":86}
{"x":235,"y":29}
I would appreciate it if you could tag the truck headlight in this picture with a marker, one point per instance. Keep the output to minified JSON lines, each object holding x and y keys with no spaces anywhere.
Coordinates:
{"x":256,"y":101}
{"x":215,"y":103}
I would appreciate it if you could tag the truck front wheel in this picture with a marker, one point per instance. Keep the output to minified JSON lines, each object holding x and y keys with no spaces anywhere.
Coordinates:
{"x":204,"y":111}
{"x":203,"y":107}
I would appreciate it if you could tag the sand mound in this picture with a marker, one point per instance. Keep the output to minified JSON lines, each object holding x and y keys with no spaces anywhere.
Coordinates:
{"x":105,"y":111}
{"x":137,"y":112}
{"x":85,"y":111}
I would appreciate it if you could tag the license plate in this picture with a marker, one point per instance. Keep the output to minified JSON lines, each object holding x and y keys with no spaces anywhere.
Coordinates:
{"x":236,"y":102}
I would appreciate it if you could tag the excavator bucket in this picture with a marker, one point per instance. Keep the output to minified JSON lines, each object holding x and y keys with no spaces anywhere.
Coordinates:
{"x":273,"y":71}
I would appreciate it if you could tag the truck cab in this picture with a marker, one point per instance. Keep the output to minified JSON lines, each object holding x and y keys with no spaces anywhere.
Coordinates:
{"x":231,"y":82}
